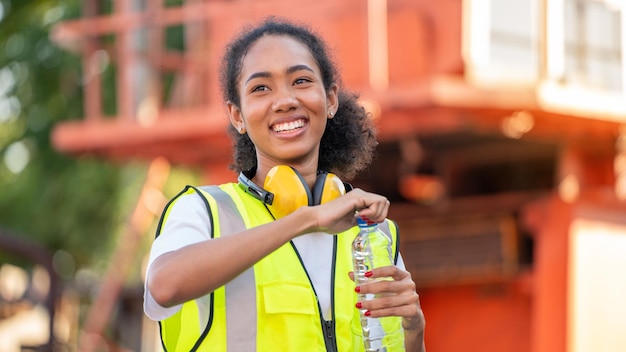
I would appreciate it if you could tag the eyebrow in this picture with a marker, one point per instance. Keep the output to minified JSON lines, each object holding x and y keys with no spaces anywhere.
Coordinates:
{"x":292,"y":69}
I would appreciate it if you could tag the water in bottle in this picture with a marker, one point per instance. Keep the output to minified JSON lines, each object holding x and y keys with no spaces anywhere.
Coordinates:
{"x":372,"y":248}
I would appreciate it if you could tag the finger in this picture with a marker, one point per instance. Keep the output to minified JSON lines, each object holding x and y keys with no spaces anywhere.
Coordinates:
{"x":371,"y":205}
{"x":375,"y":211}
{"x":385,"y":287}
{"x":406,"y":311}
{"x":388,"y":300}
{"x":398,"y":282}
{"x":405,"y":305}
{"x":391,"y":271}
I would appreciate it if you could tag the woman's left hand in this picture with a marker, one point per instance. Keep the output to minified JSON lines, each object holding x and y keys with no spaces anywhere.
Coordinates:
{"x":396,"y":296}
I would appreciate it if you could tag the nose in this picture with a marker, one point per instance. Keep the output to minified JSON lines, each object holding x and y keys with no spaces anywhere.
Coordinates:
{"x":285,"y":100}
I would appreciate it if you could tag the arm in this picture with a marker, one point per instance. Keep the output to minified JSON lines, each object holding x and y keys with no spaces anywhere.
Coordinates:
{"x":414,"y":333}
{"x":195,"y":270}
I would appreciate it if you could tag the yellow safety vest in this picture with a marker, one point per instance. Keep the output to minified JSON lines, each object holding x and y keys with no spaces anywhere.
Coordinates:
{"x":271,"y":306}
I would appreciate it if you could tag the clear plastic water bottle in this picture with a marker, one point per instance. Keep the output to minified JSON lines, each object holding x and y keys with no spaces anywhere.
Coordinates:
{"x":372,"y":248}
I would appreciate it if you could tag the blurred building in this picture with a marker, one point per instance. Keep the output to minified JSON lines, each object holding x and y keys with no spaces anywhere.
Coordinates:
{"x":502,"y":142}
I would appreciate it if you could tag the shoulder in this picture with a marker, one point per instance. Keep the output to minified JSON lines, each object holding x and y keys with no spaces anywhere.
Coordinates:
{"x":187,"y":202}
{"x":197,"y":197}
{"x":184,"y":221}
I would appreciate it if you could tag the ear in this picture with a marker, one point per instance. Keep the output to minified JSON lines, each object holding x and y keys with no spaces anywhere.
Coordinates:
{"x":235,"y":117}
{"x":332,"y":97}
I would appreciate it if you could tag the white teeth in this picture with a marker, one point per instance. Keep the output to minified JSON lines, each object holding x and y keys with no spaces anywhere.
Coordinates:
{"x":288,"y":126}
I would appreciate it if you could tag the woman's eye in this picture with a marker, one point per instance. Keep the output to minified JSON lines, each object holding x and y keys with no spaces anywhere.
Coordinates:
{"x":302,"y":80}
{"x":259,"y":88}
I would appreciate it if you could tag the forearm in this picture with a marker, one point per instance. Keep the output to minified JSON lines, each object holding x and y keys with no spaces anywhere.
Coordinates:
{"x":414,"y":340}
{"x":198,"y":269}
{"x":414,"y":327}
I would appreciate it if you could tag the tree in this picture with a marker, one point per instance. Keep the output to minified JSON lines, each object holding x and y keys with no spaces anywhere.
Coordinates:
{"x":62,"y":202}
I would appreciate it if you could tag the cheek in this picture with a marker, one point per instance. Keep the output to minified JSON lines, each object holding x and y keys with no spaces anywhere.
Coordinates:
{"x":250,"y":119}
{"x":316,"y":102}
{"x":255,"y":123}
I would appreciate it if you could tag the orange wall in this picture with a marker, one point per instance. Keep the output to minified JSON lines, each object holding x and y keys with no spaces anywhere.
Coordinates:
{"x":486,"y":318}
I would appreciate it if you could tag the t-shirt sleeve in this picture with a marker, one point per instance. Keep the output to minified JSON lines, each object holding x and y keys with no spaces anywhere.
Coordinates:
{"x":400,"y":262}
{"x":186,"y":222}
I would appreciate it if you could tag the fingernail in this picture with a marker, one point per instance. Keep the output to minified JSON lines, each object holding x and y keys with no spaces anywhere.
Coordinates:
{"x":368,"y":273}
{"x":359,"y":305}
{"x":367,"y":313}
{"x":357,"y":289}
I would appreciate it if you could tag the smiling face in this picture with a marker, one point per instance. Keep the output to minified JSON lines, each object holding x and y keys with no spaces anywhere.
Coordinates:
{"x":283,"y":103}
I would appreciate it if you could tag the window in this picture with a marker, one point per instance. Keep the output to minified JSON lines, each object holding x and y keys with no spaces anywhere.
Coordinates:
{"x":500,"y":43}
{"x":592,"y":41}
{"x":585,"y":63}
{"x":572,"y":51}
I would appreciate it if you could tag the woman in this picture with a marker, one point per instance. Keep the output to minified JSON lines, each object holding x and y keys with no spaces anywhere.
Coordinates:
{"x":238,"y":268}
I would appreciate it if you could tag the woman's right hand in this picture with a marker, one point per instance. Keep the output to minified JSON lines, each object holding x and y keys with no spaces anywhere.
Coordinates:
{"x":340,"y":214}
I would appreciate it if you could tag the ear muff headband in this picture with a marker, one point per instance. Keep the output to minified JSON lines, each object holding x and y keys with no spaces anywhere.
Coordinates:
{"x":285,"y":190}
{"x":254,"y":190}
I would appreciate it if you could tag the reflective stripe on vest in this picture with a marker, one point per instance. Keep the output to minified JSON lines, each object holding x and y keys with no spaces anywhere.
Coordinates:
{"x":240,"y":322}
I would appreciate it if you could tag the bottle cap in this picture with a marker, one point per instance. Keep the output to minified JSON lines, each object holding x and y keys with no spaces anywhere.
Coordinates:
{"x":363,"y":221}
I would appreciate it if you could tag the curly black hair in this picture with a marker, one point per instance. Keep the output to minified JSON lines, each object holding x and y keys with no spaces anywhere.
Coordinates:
{"x":349,"y":139}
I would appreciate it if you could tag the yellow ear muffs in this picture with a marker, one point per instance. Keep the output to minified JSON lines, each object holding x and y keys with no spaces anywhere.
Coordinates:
{"x":327,"y":187}
{"x":285,"y":190}
{"x":289,"y":189}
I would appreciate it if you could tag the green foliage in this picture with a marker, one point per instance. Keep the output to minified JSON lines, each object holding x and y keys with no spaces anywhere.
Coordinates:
{"x":58,"y":201}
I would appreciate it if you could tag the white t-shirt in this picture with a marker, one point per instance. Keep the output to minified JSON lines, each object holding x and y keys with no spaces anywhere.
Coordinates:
{"x":188,"y":223}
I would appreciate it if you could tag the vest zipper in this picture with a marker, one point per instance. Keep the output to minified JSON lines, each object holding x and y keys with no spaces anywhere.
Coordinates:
{"x":328,"y":326}
{"x":329,"y":335}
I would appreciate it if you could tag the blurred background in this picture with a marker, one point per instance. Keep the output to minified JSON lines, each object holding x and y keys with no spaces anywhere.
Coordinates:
{"x":502,"y":149}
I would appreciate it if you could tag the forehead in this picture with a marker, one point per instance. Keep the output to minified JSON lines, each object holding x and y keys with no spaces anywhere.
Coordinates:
{"x":276,"y":53}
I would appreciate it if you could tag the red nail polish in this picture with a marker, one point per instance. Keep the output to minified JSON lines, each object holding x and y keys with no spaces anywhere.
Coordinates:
{"x":367,"y":313}
{"x":368,"y":273}
{"x":357,"y":289}
{"x":359,"y":305}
